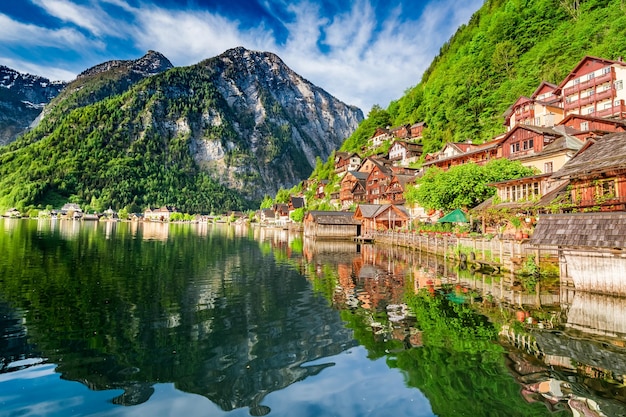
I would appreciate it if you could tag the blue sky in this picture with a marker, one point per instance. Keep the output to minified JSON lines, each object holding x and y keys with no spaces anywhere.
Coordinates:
{"x":363,"y":52}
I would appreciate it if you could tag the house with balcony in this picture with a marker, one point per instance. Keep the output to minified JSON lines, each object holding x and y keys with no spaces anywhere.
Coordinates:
{"x":597,"y":174}
{"x":379,"y":137}
{"x":595,"y":87}
{"x":345,"y":162}
{"x":403,"y":152}
{"x":542,"y":108}
{"x":376,"y":217}
{"x":542,"y":148}
{"x":460,"y":153}
{"x":394,"y":193}
{"x":376,"y":184}
{"x":590,"y":126}
{"x":346,"y":191}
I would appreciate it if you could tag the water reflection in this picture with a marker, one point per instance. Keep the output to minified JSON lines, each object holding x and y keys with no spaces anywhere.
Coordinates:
{"x":256,"y":318}
{"x":218,"y":317}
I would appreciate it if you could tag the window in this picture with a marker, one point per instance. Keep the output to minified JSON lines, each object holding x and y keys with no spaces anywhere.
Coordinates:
{"x":605,"y":189}
{"x":617,"y":103}
{"x":577,"y":81}
{"x":515,"y":147}
{"x":619,"y":84}
{"x":591,"y":76}
{"x":590,"y":110}
{"x":537,"y":121}
{"x":608,"y":105}
{"x":547,"y":167}
{"x":606,"y":70}
{"x":584,"y":126}
{"x":531,"y":143}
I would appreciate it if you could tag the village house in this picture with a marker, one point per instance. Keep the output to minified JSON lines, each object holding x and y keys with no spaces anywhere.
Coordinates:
{"x":161,"y":214}
{"x":417,"y":131}
{"x":459,"y":153}
{"x":320,"y":190}
{"x":595,"y":87}
{"x":376,"y":217}
{"x":403,"y":152}
{"x":379,"y":137}
{"x":345,"y":162}
{"x":377,"y":182}
{"x":545,"y":149}
{"x":543,"y":108}
{"x":346,"y":192}
{"x":586,"y":127}
{"x":281,"y":213}
{"x":267,"y":216}
{"x":597,"y":174}
{"x":296,"y":202}
{"x":394,"y":193}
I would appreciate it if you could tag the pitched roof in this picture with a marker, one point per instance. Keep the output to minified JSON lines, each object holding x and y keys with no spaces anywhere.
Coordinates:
{"x":573,"y":73}
{"x":297,"y":202}
{"x":333,"y":217}
{"x":603,"y":154}
{"x":597,"y":230}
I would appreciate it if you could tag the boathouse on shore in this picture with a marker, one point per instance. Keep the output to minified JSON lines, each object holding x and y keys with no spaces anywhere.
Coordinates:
{"x":592,"y":248}
{"x":331,"y":225}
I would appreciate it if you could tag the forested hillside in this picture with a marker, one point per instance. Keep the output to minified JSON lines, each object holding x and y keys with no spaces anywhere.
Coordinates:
{"x":505,"y":50}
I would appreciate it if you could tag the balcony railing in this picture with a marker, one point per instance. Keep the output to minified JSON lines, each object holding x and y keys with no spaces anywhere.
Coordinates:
{"x":583,"y":85}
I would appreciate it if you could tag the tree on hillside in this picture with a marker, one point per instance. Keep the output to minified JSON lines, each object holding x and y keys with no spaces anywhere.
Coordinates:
{"x":463,"y":186}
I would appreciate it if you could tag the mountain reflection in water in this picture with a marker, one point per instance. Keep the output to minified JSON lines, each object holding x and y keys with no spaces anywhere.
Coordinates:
{"x":258,"y":320}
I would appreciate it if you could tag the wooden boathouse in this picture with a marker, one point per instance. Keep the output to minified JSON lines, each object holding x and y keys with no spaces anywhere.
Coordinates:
{"x":592,"y":248}
{"x":331,"y":225}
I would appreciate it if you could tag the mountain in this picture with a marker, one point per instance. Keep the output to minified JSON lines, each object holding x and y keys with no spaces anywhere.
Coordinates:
{"x":505,"y":50}
{"x":22,"y":97}
{"x":105,"y":80}
{"x":218,"y":135}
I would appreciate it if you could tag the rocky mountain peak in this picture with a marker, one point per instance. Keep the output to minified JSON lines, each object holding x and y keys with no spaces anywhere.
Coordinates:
{"x":151,"y":63}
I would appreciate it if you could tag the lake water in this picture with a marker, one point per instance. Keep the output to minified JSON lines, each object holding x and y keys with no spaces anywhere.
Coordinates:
{"x":128,"y":319}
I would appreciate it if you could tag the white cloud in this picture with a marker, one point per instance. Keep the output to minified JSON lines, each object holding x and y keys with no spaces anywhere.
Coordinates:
{"x":353,"y":55}
{"x":14,"y":32}
{"x":92,"y":17}
{"x":50,"y":72}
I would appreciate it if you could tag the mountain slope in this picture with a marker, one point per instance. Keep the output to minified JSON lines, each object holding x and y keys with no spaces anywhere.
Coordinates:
{"x":210,"y":137}
{"x":22,"y":97}
{"x":506,"y":49}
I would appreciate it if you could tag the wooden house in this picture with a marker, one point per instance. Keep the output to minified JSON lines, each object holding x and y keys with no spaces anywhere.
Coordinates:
{"x":376,"y":217}
{"x":551,"y":152}
{"x":585,"y":126}
{"x":296,"y":202}
{"x":359,"y":190}
{"x":595,"y":87}
{"x":331,"y":225}
{"x":320,"y":191}
{"x":543,"y":108}
{"x":403,"y":152}
{"x":347,"y":187}
{"x":345,"y":162}
{"x":394,"y":193}
{"x":460,"y":153}
{"x":377,"y":182}
{"x":597,"y":174}
{"x":416,"y":131}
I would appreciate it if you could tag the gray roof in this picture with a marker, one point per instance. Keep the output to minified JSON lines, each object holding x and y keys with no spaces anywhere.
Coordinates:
{"x":588,"y":230}
{"x":333,"y":217}
{"x":607,"y":153}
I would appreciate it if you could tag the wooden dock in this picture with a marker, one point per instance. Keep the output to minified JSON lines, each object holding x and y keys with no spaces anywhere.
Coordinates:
{"x":363,"y":239}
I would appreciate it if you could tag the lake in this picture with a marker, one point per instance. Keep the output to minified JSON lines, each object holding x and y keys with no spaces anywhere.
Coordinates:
{"x":135,"y":319}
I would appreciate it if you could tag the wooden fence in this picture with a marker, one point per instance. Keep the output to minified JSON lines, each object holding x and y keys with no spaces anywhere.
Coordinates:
{"x":499,"y":253}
